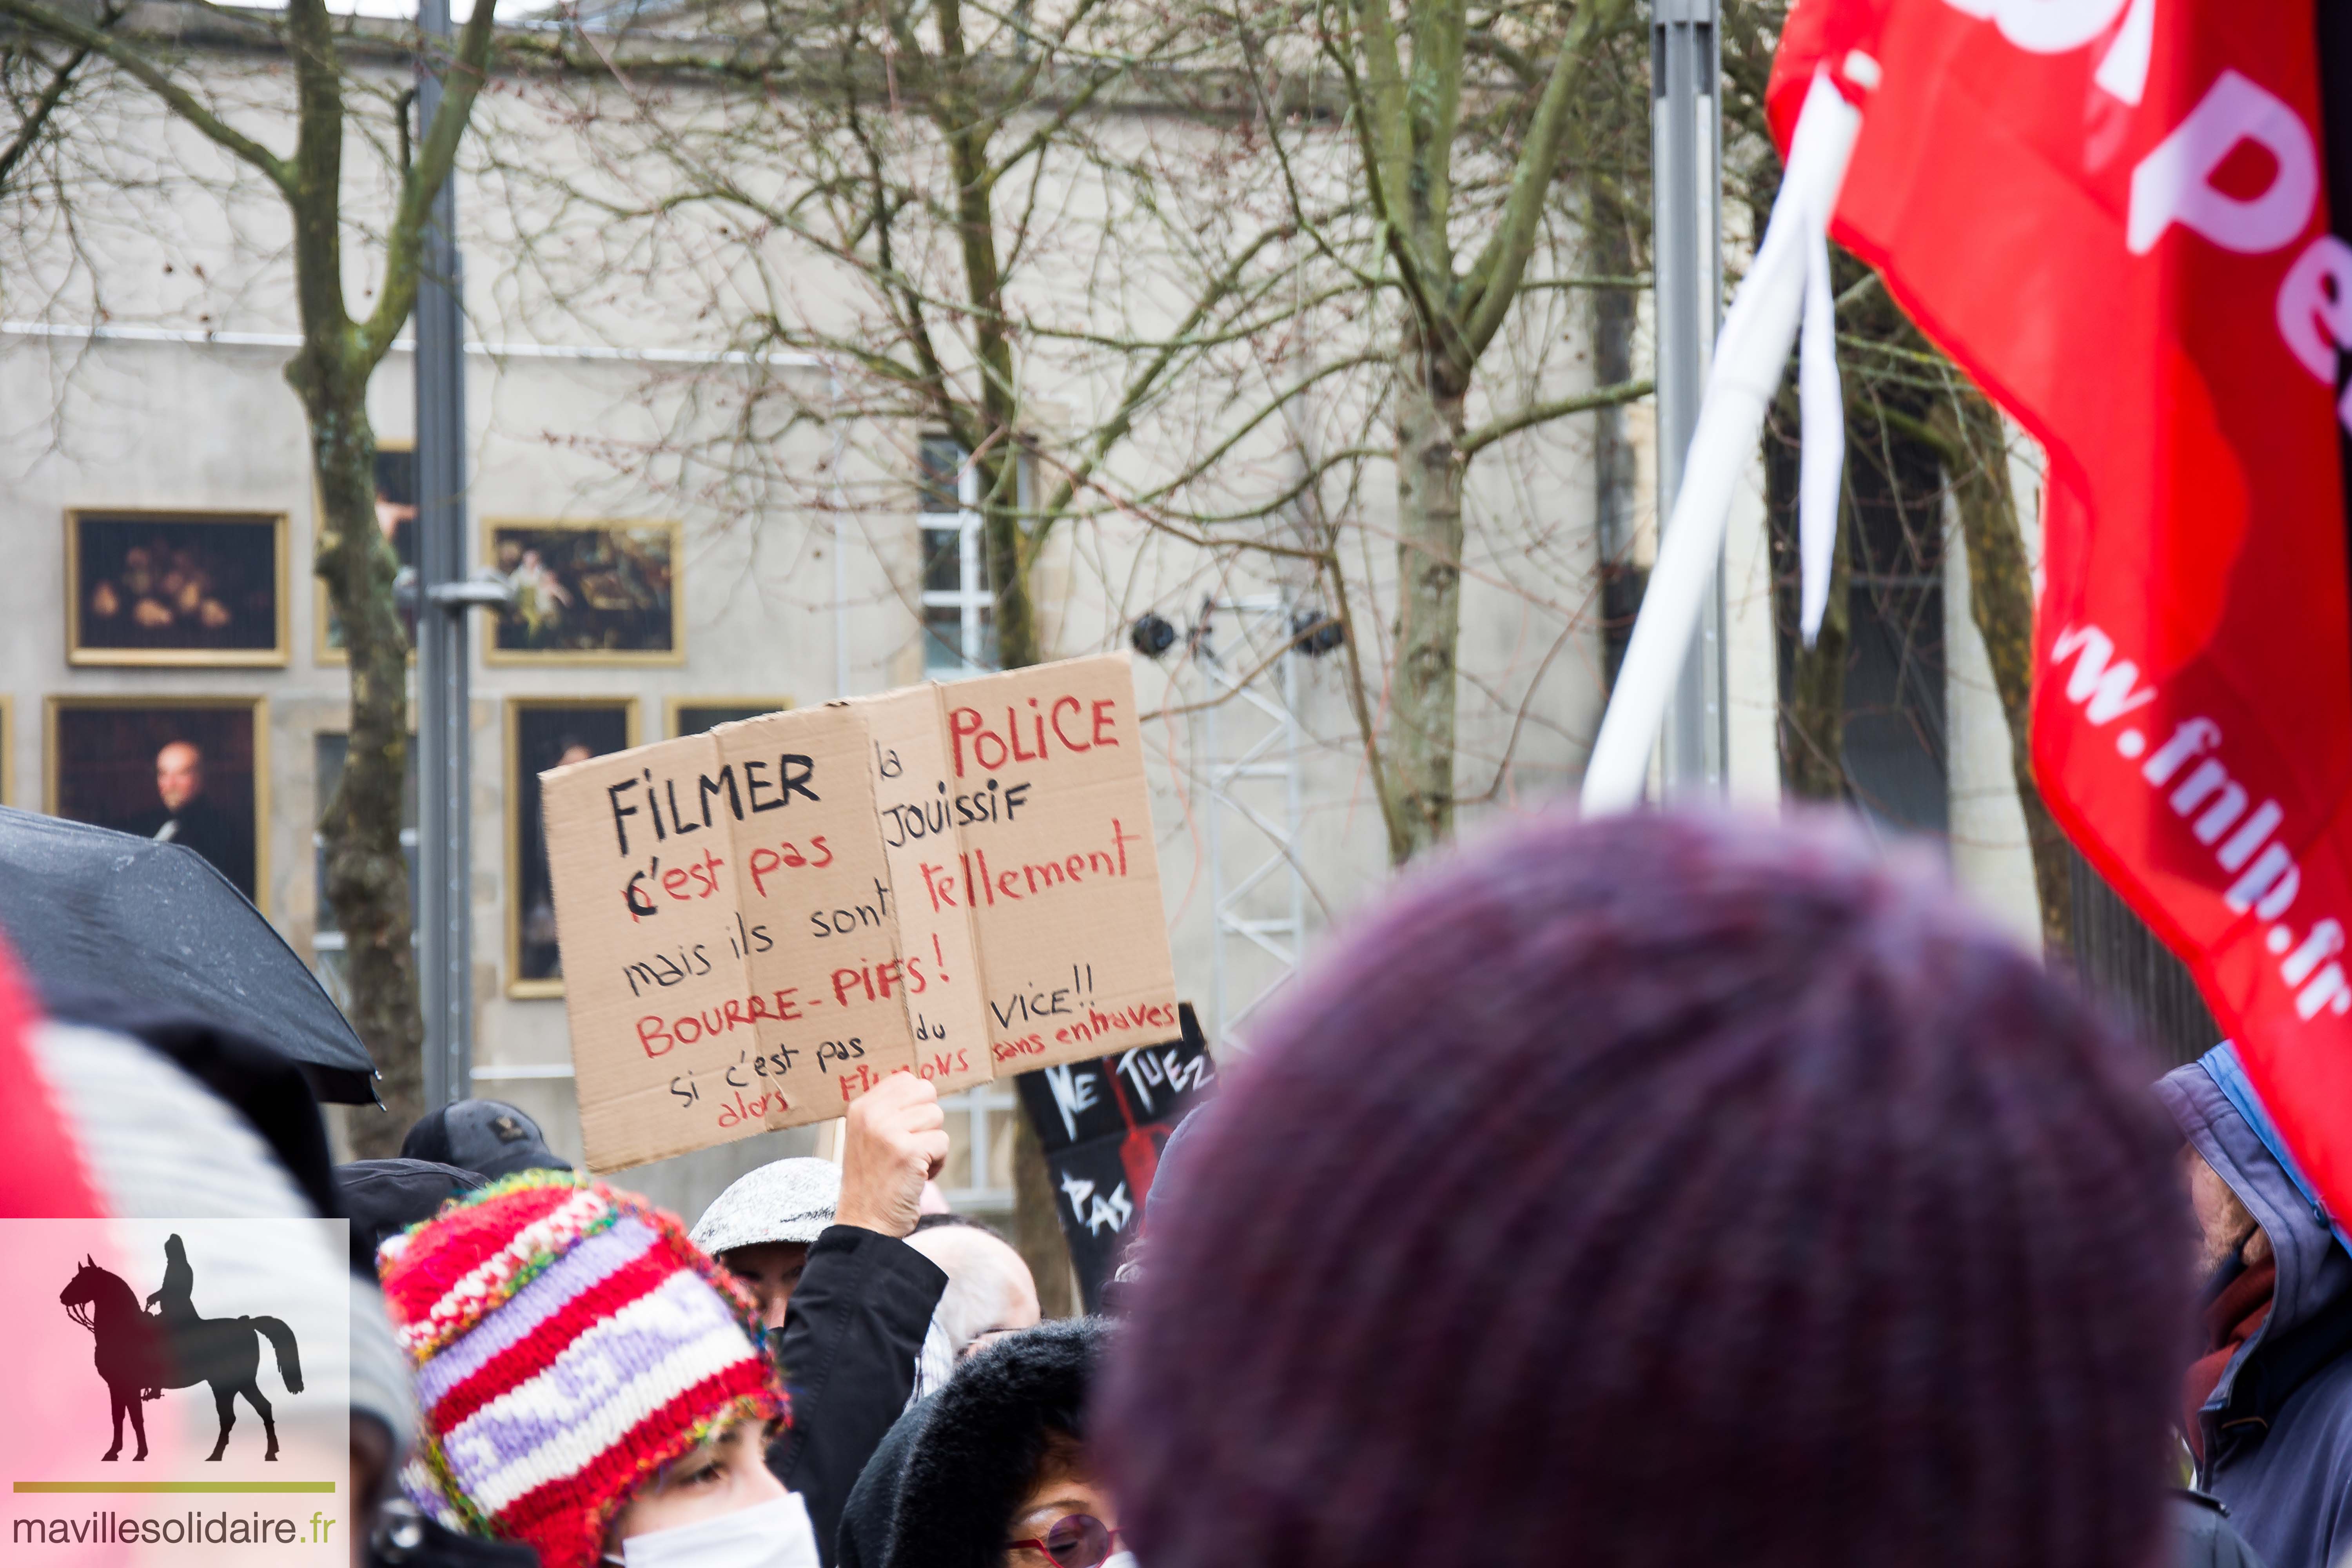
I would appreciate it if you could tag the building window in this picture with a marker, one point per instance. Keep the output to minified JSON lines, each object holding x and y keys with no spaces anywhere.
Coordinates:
{"x":978,"y":1177}
{"x":959,"y":629}
{"x":327,"y":943}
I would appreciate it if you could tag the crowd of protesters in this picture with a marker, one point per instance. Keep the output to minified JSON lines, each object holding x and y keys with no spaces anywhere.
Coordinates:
{"x":1667,"y":1192}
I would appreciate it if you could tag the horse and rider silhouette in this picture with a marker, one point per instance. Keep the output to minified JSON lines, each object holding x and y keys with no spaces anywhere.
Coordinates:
{"x":140,"y":1355}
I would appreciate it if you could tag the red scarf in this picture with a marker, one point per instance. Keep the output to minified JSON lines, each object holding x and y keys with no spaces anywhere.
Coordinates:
{"x":2230,"y":1320}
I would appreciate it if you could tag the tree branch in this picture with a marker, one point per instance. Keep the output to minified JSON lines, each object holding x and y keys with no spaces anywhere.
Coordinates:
{"x":179,"y":100}
{"x":404,"y":242}
{"x":1494,"y":280}
{"x":1560,"y":408}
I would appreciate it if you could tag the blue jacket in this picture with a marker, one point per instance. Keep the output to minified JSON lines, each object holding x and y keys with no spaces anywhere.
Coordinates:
{"x":2278,"y":1429}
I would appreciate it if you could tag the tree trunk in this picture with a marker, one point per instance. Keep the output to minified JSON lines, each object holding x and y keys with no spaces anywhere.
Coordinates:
{"x":1430,"y":469}
{"x":2001,"y":602}
{"x":367,"y":875}
{"x":1037,"y":1211}
{"x":1614,"y":486}
{"x":1037,"y":1222}
{"x":1812,"y":723}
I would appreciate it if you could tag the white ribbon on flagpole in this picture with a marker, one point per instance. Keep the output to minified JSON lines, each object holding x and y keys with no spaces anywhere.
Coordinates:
{"x":1749,"y":358}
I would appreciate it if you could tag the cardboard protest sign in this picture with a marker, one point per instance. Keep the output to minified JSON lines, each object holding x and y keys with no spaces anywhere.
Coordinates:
{"x":760,"y":921}
{"x":1053,"y":861}
{"x":915,"y":808}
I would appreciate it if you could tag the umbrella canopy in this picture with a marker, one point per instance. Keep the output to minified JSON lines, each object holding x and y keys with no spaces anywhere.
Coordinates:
{"x":90,"y":909}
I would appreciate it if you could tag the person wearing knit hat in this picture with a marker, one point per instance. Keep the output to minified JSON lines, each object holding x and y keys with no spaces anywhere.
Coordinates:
{"x":589,"y":1381}
{"x":1663,"y":1191}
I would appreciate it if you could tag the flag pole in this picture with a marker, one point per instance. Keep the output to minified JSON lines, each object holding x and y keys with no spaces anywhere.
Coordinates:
{"x":1749,"y":359}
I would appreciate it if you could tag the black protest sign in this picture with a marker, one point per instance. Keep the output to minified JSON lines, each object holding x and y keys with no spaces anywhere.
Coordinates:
{"x":1103,"y":1122}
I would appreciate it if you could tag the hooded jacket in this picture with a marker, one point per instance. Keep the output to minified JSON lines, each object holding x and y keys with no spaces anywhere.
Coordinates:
{"x":941,"y":1490}
{"x":2278,"y":1428}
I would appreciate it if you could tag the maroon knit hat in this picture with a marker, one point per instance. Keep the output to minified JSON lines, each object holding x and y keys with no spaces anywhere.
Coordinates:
{"x":1663,"y":1191}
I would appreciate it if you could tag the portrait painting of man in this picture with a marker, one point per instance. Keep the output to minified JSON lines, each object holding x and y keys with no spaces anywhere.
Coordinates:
{"x":176,"y":772}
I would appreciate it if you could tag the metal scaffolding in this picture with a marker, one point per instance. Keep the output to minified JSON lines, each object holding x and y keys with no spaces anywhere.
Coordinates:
{"x":1261,"y":916}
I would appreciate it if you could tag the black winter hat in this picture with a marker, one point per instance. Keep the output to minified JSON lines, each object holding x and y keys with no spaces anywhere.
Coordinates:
{"x":941,"y":1490}
{"x":384,"y":1197}
{"x":488,"y":1136}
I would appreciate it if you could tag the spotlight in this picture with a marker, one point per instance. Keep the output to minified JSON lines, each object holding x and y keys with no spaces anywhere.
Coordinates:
{"x":1313,"y":632}
{"x":1151,"y":636}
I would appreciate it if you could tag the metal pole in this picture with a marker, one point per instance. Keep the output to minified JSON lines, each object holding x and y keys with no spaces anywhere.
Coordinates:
{"x":1688,"y":195}
{"x":444,"y":849}
{"x":1747,"y":368}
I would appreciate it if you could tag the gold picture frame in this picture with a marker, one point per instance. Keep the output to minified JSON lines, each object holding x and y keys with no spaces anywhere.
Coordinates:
{"x":497,"y":531}
{"x":323,"y":652}
{"x":521,"y":774}
{"x":256,"y":710}
{"x":78,"y":592}
{"x":674,"y":708}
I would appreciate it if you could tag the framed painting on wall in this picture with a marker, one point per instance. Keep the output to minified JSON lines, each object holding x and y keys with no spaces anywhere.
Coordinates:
{"x":545,"y":733}
{"x":187,"y":770}
{"x":587,"y":592}
{"x":395,"y":517}
{"x":693,"y":715}
{"x":175,"y":587}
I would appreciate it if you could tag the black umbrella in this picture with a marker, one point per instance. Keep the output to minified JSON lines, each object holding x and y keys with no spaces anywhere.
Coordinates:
{"x":90,"y":909}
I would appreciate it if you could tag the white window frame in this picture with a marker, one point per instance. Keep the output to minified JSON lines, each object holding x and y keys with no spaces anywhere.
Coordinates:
{"x":989,"y":1110}
{"x":972,"y":602}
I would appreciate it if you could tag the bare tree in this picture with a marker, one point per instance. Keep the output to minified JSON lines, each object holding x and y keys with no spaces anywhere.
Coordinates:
{"x":366,"y":874}
{"x":1420,"y":103}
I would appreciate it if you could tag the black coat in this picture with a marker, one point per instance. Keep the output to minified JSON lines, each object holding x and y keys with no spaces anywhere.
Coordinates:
{"x":851,"y":1333}
{"x":2201,"y":1523}
{"x":211,"y":833}
{"x":941,"y":1490}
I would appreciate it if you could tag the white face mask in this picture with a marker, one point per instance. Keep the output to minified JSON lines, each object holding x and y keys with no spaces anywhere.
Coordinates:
{"x":773,"y":1535}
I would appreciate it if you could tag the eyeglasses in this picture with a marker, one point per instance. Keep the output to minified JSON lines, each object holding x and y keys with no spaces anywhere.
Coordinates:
{"x":1076,"y":1540}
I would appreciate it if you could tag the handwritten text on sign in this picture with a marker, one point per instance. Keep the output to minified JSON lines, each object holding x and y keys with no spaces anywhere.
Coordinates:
{"x":759,"y":923}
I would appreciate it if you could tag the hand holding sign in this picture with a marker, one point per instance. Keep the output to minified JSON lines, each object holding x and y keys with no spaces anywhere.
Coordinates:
{"x":896,"y":1141}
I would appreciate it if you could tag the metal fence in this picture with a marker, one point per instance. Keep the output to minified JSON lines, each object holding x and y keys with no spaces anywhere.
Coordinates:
{"x":2120,"y":961}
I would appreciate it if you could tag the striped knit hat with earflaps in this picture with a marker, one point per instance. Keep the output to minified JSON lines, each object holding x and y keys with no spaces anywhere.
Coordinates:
{"x":568,"y":1341}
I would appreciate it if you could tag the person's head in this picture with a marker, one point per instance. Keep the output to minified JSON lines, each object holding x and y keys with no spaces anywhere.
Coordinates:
{"x":990,"y":1290}
{"x":761,"y":1226}
{"x":2227,"y":1230}
{"x":1065,"y":1518}
{"x":1667,"y":1191}
{"x":384,"y":1197}
{"x":587,"y":1376}
{"x":725,"y":1473}
{"x":488,"y":1137}
{"x":2251,"y":1202}
{"x":179,"y":774}
{"x":998,"y":1457}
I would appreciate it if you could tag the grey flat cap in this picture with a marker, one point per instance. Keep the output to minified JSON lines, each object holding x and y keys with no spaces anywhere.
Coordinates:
{"x":790,"y":1200}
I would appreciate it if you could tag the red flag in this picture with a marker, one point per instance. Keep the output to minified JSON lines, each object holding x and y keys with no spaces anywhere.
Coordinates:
{"x":2114,"y":214}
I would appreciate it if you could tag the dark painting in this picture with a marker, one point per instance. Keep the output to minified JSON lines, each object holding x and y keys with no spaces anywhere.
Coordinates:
{"x":175,"y":590}
{"x":698,"y":718}
{"x":177,"y":772}
{"x":596,"y":593}
{"x":395,"y":516}
{"x":547,"y":735}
